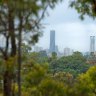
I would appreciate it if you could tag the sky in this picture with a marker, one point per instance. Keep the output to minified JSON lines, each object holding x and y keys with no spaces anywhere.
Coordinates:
{"x":70,"y":31}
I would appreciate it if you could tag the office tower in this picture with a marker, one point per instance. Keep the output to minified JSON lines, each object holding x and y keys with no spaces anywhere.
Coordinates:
{"x":92,"y":44}
{"x":52,"y":41}
{"x":68,"y":52}
{"x":56,"y":49}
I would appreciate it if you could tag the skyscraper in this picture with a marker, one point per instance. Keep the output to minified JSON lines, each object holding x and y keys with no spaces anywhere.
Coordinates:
{"x":68,"y":51}
{"x":52,"y":41}
{"x":92,"y":44}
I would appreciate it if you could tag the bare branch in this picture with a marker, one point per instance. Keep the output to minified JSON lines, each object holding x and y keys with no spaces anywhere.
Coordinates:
{"x":42,"y":16}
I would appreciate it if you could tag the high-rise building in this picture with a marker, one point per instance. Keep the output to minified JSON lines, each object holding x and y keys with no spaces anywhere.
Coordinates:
{"x":92,"y":44}
{"x":68,"y":52}
{"x":56,"y":49}
{"x":52,"y":41}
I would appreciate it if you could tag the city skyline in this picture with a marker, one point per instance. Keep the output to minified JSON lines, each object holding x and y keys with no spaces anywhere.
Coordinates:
{"x":70,"y":30}
{"x":89,"y":46}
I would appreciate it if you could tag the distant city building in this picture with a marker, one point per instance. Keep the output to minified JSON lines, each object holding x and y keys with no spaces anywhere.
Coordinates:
{"x":52,"y":41}
{"x":68,"y":52}
{"x":60,"y":54}
{"x":47,"y":51}
{"x":86,"y":54}
{"x":56,"y":49}
{"x":92,"y":44}
{"x":37,"y":48}
{"x":92,"y":57}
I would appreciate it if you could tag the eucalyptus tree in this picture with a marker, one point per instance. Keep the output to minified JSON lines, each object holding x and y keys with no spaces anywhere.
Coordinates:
{"x":18,"y":18}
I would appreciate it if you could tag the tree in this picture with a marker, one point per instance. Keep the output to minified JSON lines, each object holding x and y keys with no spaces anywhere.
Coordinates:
{"x":39,"y":57}
{"x":32,"y":75}
{"x":85,"y":7}
{"x":17,"y":19}
{"x":39,"y":82}
{"x":49,"y":87}
{"x":54,"y":55}
{"x":74,"y":64}
{"x":85,"y":84}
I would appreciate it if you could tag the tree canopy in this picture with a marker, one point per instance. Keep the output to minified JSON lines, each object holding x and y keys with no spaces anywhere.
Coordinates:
{"x":74,"y":64}
{"x":85,"y":7}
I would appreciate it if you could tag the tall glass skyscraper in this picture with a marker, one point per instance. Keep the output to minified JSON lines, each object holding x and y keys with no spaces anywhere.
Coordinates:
{"x":52,"y":41}
{"x":92,"y":44}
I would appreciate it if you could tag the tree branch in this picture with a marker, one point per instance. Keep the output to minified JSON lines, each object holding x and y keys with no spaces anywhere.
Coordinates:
{"x":42,"y":16}
{"x":7,"y":44}
{"x":3,"y":53}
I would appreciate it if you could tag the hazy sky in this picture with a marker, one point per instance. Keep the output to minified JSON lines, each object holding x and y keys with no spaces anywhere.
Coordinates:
{"x":70,"y":30}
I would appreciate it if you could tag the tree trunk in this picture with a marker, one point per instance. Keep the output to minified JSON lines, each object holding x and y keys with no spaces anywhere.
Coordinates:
{"x":7,"y":83}
{"x":19,"y":55}
{"x":8,"y":76}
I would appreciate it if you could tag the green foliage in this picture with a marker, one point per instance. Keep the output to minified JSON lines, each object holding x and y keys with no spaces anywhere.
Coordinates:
{"x":38,"y":72}
{"x":37,"y":82}
{"x":25,"y":52}
{"x":92,"y":74}
{"x":39,"y":57}
{"x":85,"y":85}
{"x":1,"y":68}
{"x":64,"y":77}
{"x":18,"y":18}
{"x":49,"y":87}
{"x":85,"y":7}
{"x":75,"y":64}
{"x":1,"y":75}
{"x":54,"y":56}
{"x":31,"y":11}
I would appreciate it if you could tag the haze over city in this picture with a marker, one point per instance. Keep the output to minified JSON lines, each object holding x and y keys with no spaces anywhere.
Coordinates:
{"x":70,"y":30}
